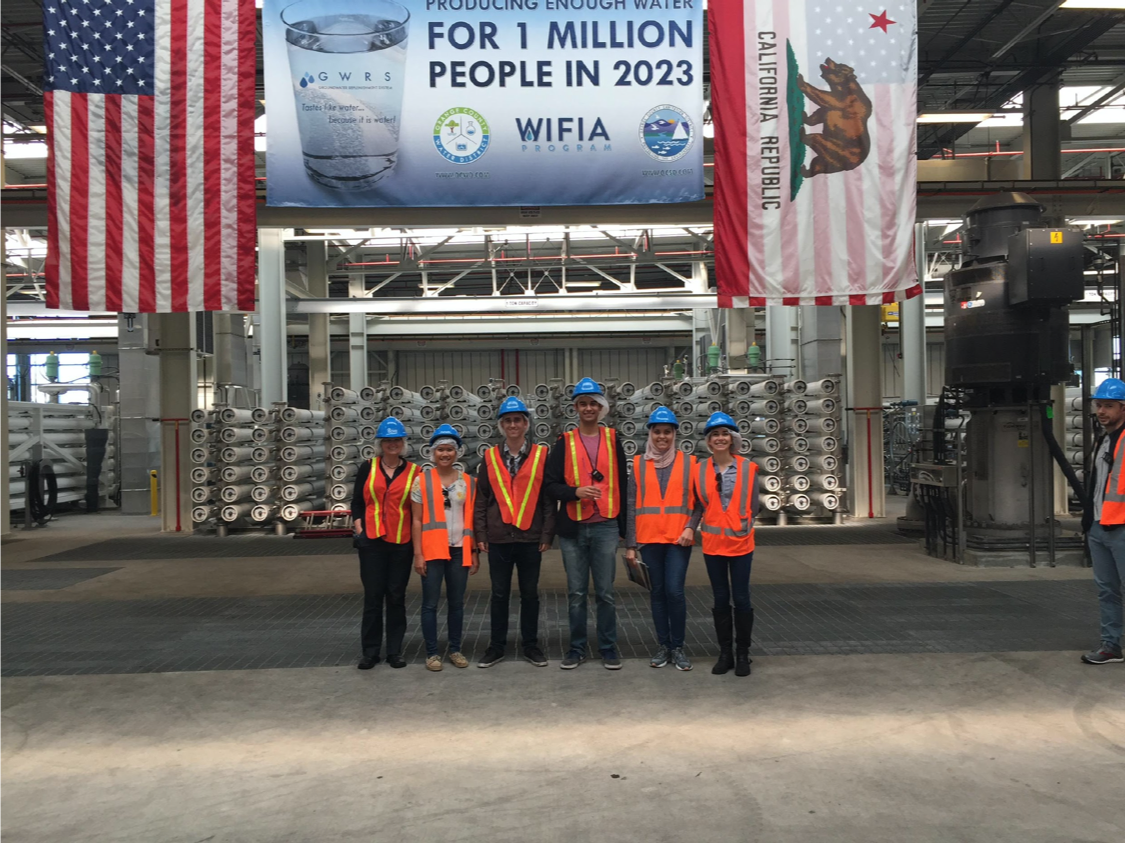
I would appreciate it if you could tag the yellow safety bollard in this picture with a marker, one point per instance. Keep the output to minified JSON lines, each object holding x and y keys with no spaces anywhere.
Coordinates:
{"x":154,"y":492}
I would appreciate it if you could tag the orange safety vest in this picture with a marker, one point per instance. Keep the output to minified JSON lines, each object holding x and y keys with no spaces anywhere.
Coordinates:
{"x":661,"y":519}
{"x":517,"y":497}
{"x":436,"y":540}
{"x":579,"y":472}
{"x":730,"y":531}
{"x":1113,"y":507}
{"x":388,"y":513}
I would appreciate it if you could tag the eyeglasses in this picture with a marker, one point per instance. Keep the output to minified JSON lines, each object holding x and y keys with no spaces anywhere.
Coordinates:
{"x":445,"y":495}
{"x":597,"y":476}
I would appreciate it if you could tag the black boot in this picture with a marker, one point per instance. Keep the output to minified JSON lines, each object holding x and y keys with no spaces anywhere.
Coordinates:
{"x":724,"y":632}
{"x":744,"y":626}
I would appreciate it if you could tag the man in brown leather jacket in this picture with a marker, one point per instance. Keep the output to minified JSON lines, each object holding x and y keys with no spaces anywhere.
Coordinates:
{"x":514,"y":522}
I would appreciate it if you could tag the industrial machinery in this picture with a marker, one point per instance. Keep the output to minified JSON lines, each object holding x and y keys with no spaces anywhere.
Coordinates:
{"x":1006,"y":345}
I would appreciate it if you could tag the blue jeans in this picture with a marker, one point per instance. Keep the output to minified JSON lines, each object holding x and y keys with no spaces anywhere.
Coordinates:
{"x":667,"y":568}
{"x":730,"y":575}
{"x":1107,"y":553}
{"x":591,"y":551}
{"x":456,"y":578}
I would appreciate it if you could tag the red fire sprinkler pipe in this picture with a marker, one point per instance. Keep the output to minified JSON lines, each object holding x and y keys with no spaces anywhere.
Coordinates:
{"x":179,"y":524}
{"x":870,"y":467}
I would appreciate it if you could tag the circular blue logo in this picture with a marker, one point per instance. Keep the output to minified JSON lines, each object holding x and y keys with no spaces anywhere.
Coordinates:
{"x":461,"y":135}
{"x":667,"y":133}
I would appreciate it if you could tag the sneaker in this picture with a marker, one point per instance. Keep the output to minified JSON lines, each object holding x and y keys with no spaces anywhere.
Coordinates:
{"x":660,"y":658}
{"x":572,"y":660}
{"x":610,"y":661}
{"x":680,"y":659}
{"x":433,"y":662}
{"x":534,"y":655}
{"x":1103,"y":655}
{"x":493,"y":655}
{"x":458,"y":660}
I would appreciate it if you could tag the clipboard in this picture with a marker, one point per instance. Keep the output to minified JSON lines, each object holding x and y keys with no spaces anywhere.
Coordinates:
{"x":638,"y":574}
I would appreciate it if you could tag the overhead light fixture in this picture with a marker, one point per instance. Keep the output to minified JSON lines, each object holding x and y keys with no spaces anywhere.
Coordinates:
{"x":954,"y":117}
{"x":1094,"y":4}
{"x":1088,"y":223}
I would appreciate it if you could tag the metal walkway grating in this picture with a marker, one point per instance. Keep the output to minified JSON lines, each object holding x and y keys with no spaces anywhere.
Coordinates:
{"x":145,"y":636}
{"x":234,"y":547}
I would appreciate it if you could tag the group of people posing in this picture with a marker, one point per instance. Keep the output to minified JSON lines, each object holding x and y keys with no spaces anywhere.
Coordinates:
{"x":440,"y":520}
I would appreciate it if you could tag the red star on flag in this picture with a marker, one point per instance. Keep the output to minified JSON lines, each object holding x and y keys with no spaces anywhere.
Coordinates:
{"x":881,"y":21}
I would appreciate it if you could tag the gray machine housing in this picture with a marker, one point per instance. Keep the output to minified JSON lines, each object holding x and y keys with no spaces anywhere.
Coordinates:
{"x":1007,"y":343}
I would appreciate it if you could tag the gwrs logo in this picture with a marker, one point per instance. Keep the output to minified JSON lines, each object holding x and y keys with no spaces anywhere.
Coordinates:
{"x":542,"y":133}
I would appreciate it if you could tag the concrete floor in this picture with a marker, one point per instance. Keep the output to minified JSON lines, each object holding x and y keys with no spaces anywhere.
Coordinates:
{"x":984,"y":746}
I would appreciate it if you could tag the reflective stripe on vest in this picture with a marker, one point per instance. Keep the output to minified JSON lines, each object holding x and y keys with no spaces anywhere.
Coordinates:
{"x":662,"y":518}
{"x":391,"y":522}
{"x":1113,"y":507}
{"x":436,"y":540}
{"x":577,"y":472}
{"x":514,"y":496}
{"x":720,"y":537}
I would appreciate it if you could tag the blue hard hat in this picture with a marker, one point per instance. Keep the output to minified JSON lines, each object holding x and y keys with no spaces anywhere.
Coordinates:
{"x":587,"y":386}
{"x":512,"y":405}
{"x":390,"y":428}
{"x":718,"y":420}
{"x":1111,"y":389}
{"x":446,"y":431}
{"x":662,"y":415}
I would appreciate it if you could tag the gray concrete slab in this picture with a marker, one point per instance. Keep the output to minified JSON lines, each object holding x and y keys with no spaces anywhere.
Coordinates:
{"x":1021,"y":747}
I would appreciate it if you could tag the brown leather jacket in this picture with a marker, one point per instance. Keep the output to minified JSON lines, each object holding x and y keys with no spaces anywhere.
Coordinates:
{"x":488,"y":526}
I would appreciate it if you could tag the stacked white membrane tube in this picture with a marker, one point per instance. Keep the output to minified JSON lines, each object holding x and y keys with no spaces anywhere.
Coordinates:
{"x":59,"y":430}
{"x":301,"y":464}
{"x":301,"y":458}
{"x":811,"y":438}
{"x":351,"y":420}
{"x":1072,"y":444}
{"x":234,"y":455}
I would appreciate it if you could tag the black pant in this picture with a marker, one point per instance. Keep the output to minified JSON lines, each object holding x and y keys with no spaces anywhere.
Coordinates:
{"x":525,"y":558}
{"x":385,"y":570}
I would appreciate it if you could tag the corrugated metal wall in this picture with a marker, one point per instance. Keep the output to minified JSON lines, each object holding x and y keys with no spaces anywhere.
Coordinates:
{"x":892,"y":370}
{"x":417,"y":368}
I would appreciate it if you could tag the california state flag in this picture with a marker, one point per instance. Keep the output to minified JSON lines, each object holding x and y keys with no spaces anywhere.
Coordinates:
{"x":815,"y":105}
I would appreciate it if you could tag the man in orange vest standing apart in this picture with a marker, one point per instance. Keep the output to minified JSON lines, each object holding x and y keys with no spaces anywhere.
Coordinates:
{"x":1104,"y":516}
{"x":586,"y":475}
{"x":514,"y":523}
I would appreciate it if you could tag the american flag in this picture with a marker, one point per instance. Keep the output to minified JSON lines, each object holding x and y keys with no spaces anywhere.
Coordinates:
{"x":150,"y":170}
{"x":824,"y":216}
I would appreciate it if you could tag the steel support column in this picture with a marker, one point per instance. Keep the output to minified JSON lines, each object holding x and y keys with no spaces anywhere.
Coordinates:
{"x":1042,"y":139}
{"x":271,"y":315}
{"x":320,"y":366}
{"x":739,"y":336}
{"x":357,"y":341}
{"x":864,"y":351}
{"x":782,"y":342}
{"x":912,"y":329}
{"x":138,"y":431}
{"x":179,"y":389}
{"x":5,"y":515}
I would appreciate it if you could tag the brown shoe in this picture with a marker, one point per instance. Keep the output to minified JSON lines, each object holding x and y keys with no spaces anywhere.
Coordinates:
{"x":458,"y":660}
{"x":433,"y":662}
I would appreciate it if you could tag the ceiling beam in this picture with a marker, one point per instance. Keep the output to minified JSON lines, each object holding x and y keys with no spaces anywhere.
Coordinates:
{"x":1068,"y":44}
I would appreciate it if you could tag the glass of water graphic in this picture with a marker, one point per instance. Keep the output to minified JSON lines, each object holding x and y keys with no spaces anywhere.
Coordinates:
{"x":347,"y":59}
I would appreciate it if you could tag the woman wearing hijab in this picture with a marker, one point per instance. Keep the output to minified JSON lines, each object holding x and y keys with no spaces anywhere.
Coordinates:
{"x":444,"y":550}
{"x":661,"y":519}
{"x":727,"y":488}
